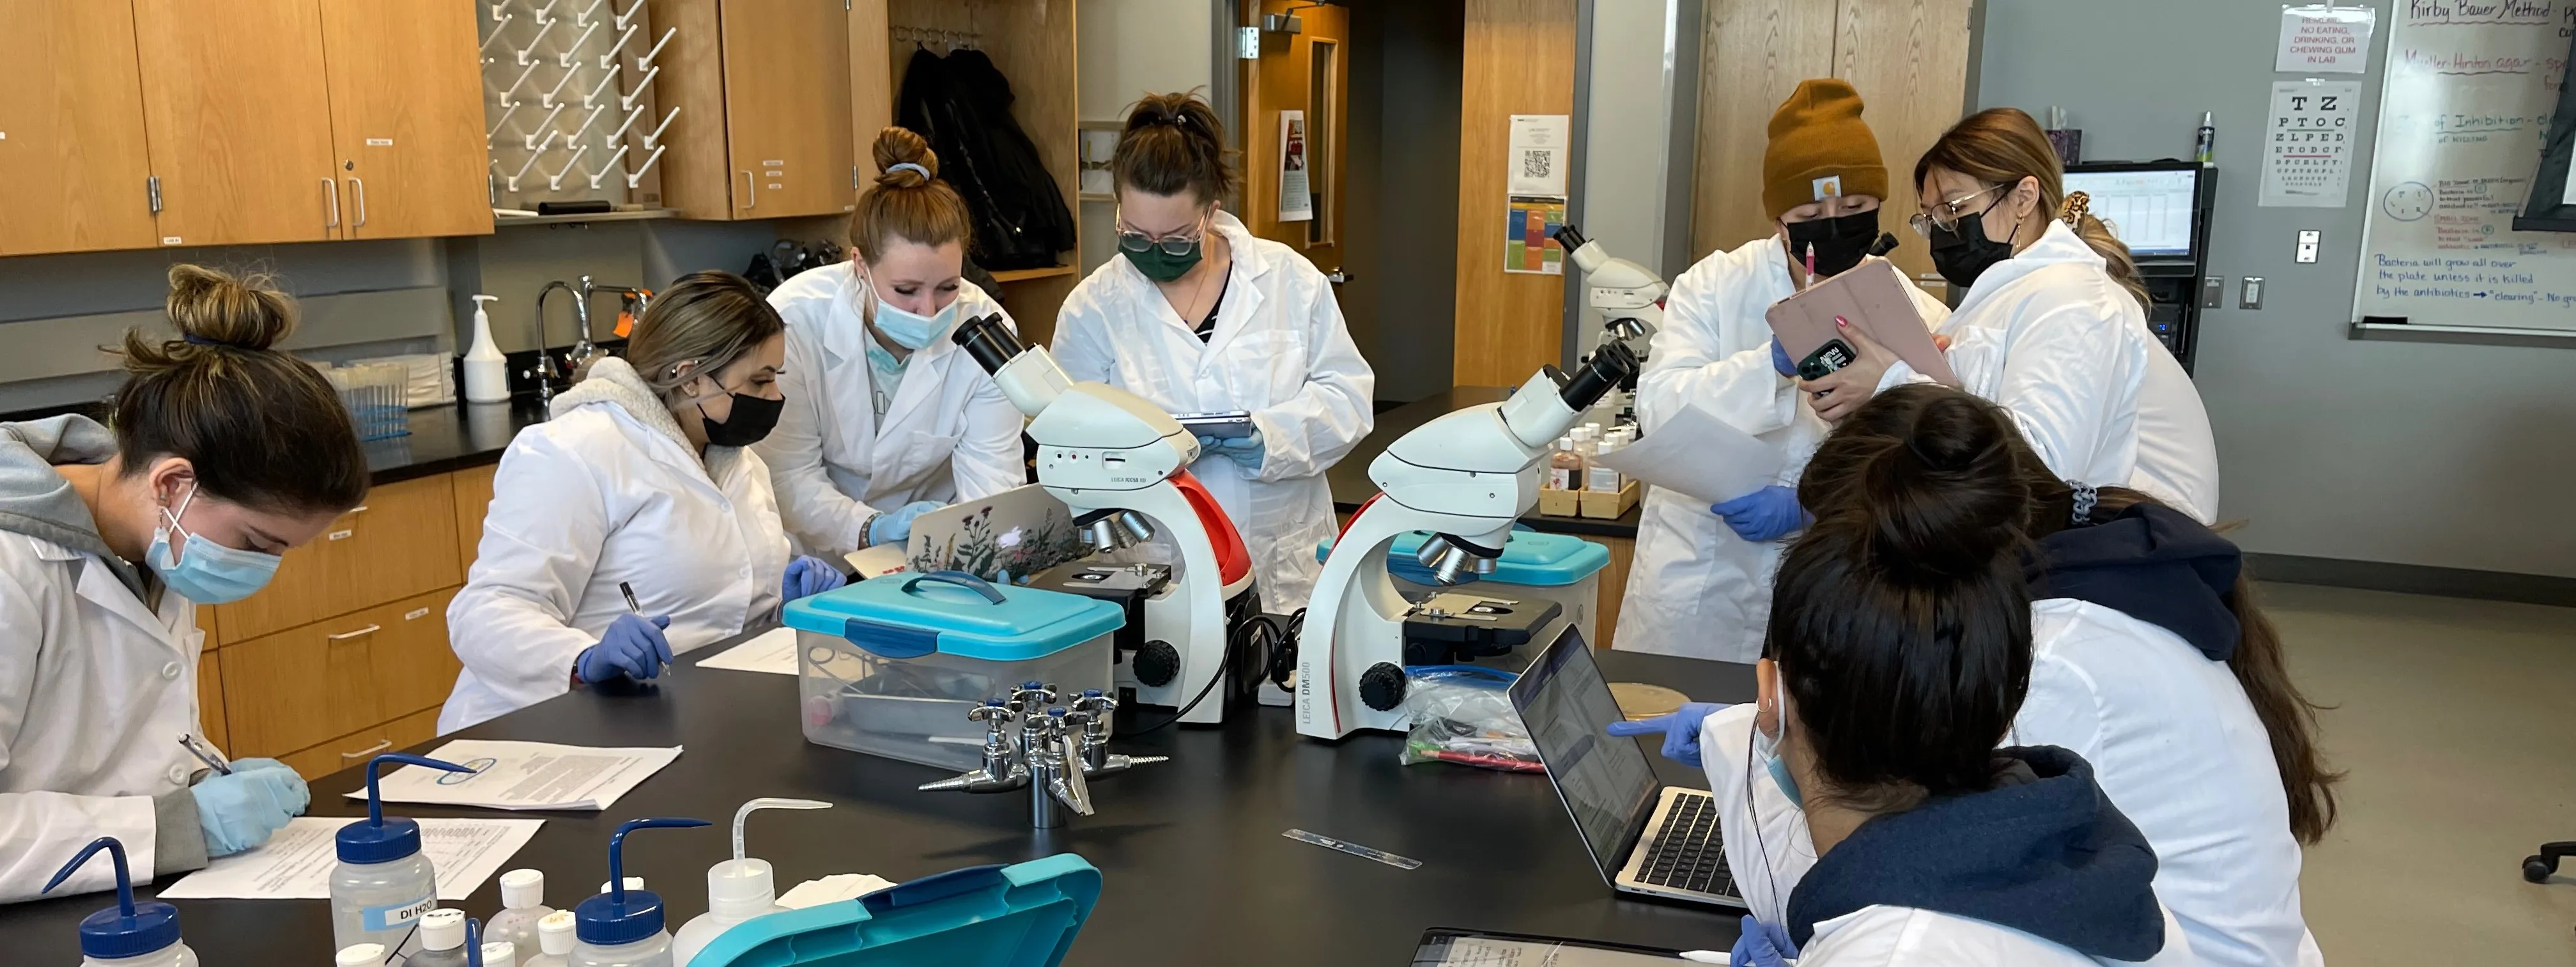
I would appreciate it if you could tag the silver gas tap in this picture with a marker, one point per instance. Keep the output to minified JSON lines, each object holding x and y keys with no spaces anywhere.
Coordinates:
{"x":1094,"y":710}
{"x":1052,"y":751}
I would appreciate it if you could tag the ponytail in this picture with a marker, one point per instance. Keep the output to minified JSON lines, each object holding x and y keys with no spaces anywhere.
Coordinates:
{"x":2077,"y":212}
{"x":2001,"y":146}
{"x":1173,"y":143}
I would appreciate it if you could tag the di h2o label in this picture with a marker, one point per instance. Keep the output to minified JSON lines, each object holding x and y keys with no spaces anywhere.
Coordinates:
{"x":394,"y":916}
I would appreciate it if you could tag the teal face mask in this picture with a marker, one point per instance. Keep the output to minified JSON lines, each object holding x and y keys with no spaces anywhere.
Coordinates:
{"x":207,"y":573}
{"x":908,"y":329}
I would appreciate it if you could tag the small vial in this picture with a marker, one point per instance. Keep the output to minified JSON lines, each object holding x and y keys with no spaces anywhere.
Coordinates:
{"x":500,"y":953}
{"x":360,"y":955}
{"x":523,"y":903}
{"x":1564,"y":469}
{"x":554,"y":941}
{"x":442,"y":940}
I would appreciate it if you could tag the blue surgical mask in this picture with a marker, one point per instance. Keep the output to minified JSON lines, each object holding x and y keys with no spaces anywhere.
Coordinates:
{"x":205,"y":572}
{"x":1767,"y":749}
{"x":909,"y":329}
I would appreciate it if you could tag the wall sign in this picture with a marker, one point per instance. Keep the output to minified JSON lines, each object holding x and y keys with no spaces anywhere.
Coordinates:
{"x":2307,"y":147}
{"x":2325,"y":40}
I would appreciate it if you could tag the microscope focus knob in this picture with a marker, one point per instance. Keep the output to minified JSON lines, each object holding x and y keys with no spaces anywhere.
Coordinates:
{"x":1157,"y":664}
{"x":1382,"y":687}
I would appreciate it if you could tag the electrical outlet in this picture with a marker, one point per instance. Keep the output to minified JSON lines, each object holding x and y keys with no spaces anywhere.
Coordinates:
{"x":2213,"y":292}
{"x":2308,"y":247}
{"x":2250,"y":296}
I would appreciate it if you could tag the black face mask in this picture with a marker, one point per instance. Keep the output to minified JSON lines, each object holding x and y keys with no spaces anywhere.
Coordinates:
{"x":753,"y":417}
{"x":1839,"y":242}
{"x":1963,"y":252}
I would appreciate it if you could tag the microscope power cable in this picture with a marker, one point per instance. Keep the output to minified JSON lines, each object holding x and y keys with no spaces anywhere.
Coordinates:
{"x":1281,"y":638}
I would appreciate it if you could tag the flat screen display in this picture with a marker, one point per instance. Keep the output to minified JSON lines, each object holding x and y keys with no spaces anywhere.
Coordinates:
{"x":2150,"y":211}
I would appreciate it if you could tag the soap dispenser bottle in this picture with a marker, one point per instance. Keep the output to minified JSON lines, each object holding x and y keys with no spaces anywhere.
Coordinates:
{"x":737,"y":890}
{"x":623,"y":927}
{"x":383,"y":885}
{"x":128,"y":934}
{"x":487,"y":374}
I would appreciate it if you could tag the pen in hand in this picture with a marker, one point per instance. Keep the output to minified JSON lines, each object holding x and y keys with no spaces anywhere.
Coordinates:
{"x":629,"y":591}
{"x":213,"y":760}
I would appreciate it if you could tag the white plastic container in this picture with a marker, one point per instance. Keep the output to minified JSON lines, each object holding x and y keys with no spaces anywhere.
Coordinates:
{"x":360,"y":955}
{"x":383,"y":885}
{"x":554,"y":941}
{"x":128,"y":934}
{"x":889,"y":667}
{"x":500,"y":953}
{"x":487,"y":374}
{"x":442,"y":940}
{"x":523,"y":903}
{"x":623,"y":927}
{"x":737,"y":889}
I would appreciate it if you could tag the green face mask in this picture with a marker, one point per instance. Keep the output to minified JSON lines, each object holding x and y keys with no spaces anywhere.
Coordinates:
{"x":1162,"y":266}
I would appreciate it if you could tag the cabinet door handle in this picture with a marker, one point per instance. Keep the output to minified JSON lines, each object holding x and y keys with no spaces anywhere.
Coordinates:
{"x":331,"y":195}
{"x":751,"y":191}
{"x":354,"y":511}
{"x":368,"y":751}
{"x":346,"y":635}
{"x":358,"y":194}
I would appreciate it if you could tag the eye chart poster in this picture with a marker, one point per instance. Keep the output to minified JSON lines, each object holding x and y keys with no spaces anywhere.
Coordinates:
{"x":2308,"y":146}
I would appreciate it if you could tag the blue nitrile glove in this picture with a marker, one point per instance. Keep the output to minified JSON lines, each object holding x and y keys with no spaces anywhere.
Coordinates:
{"x":1245,"y":451}
{"x":810,"y":576}
{"x":1209,"y":444}
{"x":1761,"y":945}
{"x":1680,"y":729}
{"x":244,"y":809}
{"x":895,"y":526}
{"x":1780,"y":360}
{"x":633,"y":647}
{"x":1768,"y":514}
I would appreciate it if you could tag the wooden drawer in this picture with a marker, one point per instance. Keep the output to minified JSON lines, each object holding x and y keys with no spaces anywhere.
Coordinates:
{"x":210,"y":699}
{"x":354,"y":749}
{"x":401,"y":543}
{"x":472,"y":489}
{"x":299,"y":688}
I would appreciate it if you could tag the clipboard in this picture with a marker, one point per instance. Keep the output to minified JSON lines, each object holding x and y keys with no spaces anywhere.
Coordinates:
{"x":1874,"y":297}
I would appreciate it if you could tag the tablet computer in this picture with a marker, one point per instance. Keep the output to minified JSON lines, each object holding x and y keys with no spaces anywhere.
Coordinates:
{"x":1874,"y":298}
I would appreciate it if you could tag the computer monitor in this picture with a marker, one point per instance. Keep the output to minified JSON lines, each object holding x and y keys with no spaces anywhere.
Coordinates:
{"x":2150,"y":210}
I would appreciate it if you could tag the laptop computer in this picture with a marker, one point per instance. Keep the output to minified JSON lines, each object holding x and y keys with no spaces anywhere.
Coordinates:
{"x":1647,"y":838}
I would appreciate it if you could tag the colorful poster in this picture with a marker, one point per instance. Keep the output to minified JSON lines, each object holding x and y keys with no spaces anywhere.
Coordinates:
{"x":2325,"y":40}
{"x":2307,"y":149}
{"x":1296,"y":200}
{"x":1528,"y":221}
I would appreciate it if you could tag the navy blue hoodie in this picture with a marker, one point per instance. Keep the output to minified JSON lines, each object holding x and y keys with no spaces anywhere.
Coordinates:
{"x":2152,"y":563}
{"x":2047,"y":855}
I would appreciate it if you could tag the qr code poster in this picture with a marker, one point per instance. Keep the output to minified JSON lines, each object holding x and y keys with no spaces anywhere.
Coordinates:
{"x":2307,"y":147}
{"x":1536,"y":158}
{"x":1528,"y":222}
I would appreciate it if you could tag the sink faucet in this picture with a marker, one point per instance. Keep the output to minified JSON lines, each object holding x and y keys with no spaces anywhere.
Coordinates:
{"x":585,"y":352}
{"x":546,"y":373}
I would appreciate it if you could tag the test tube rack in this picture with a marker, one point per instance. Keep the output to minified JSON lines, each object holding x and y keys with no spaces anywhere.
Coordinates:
{"x":568,"y":106}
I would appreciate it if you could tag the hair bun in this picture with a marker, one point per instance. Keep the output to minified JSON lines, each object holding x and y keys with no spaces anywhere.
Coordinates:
{"x":900,"y":146}
{"x":1944,"y":500}
{"x":212,"y":308}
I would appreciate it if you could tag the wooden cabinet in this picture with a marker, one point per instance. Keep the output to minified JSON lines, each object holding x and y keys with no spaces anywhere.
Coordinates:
{"x":763,"y":88}
{"x":354,"y":749}
{"x":239,"y":121}
{"x":406,"y":117}
{"x":306,"y":686}
{"x":472,"y":490}
{"x":402,"y":542}
{"x":71,"y":129}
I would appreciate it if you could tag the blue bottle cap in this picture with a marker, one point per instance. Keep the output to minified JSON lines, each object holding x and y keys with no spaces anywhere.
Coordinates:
{"x":376,"y":839}
{"x":623,"y":916}
{"x":128,"y":929}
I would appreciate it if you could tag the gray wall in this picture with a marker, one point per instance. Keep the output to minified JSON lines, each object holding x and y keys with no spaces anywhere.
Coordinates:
{"x":2434,"y":454}
{"x":1401,"y":213}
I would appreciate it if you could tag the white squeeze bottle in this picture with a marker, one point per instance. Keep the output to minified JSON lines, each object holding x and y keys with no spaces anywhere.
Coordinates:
{"x":500,"y":953}
{"x":128,"y":934}
{"x":487,"y":375}
{"x":383,"y":885}
{"x":442,"y":940}
{"x":523,"y":903}
{"x":737,"y":889}
{"x":360,"y":955}
{"x":623,"y":927}
{"x":554,"y":941}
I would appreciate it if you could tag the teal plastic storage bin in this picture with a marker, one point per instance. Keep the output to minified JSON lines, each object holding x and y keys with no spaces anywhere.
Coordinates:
{"x":889,"y":666}
{"x":1554,"y":567}
{"x":1023,"y":915}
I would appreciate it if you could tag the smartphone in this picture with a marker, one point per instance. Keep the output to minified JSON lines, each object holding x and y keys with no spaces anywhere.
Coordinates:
{"x":1834,"y":354}
{"x":1223,"y":426}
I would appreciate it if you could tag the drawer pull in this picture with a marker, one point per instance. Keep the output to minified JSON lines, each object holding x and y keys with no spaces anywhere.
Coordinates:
{"x":368,"y":751}
{"x":346,"y":635}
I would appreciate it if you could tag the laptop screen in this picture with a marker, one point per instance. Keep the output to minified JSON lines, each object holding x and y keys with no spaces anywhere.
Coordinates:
{"x":1605,"y":781}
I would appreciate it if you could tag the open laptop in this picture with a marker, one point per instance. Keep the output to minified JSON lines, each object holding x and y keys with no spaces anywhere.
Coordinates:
{"x":1647,"y":838}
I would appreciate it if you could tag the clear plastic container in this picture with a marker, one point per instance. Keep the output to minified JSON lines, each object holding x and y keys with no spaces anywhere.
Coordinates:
{"x":128,"y":934}
{"x":360,"y":955}
{"x":653,"y":951}
{"x":554,"y":941}
{"x":500,"y":953}
{"x":523,"y":904}
{"x":174,"y":955}
{"x":380,"y":903}
{"x":622,"y":927}
{"x":442,"y":940}
{"x":890,"y":667}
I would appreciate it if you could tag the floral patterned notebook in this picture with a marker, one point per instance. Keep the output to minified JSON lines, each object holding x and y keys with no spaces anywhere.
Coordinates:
{"x":1022,"y":530}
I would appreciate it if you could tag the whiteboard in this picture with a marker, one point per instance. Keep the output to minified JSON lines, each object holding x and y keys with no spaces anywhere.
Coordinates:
{"x":2471,"y":85}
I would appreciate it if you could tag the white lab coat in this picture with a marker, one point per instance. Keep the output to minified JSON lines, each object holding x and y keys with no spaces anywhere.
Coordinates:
{"x":2048,"y":336}
{"x":1888,"y":936}
{"x":95,"y":691}
{"x":1280,"y":351}
{"x":1696,"y":589}
{"x":607,"y":491}
{"x":2173,"y":741}
{"x":949,"y":433}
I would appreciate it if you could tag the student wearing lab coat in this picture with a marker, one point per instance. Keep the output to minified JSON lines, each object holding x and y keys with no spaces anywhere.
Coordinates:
{"x":2147,"y":657}
{"x":2053,"y":324}
{"x":642,"y":481}
{"x":224,"y":454}
{"x":1199,"y":316}
{"x":1701,"y":584}
{"x":885,"y":417}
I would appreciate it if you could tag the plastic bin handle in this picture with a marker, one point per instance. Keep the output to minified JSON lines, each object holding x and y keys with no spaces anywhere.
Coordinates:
{"x":937,"y":886}
{"x":960,"y":579}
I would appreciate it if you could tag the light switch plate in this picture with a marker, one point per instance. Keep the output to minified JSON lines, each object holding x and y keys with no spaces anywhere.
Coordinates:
{"x":2308,"y":247}
{"x":2251,"y":295}
{"x":2213,"y":292}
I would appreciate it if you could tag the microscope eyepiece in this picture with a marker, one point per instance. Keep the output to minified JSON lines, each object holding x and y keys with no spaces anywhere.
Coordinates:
{"x":1608,"y":366}
{"x":989,"y":341}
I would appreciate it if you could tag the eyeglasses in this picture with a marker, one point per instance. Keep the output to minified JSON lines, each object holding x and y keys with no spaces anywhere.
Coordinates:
{"x":1944,"y":216}
{"x":1174,"y":244}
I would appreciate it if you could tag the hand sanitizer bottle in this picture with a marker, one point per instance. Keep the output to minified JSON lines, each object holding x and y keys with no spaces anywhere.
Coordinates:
{"x":128,"y":934}
{"x":487,"y":373}
{"x":523,"y":903}
{"x":623,"y":927}
{"x":737,"y":890}
{"x":383,"y":885}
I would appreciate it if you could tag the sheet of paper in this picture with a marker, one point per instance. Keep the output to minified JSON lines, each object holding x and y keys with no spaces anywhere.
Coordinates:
{"x":1536,"y":163}
{"x":2308,"y":149}
{"x":832,"y":889}
{"x":1699,"y":455}
{"x":773,"y":652}
{"x":296,"y":863}
{"x":2328,"y":40}
{"x":525,"y":775}
{"x":1296,"y":196}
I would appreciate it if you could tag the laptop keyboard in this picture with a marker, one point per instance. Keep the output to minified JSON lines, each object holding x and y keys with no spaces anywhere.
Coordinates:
{"x":1687,"y":854}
